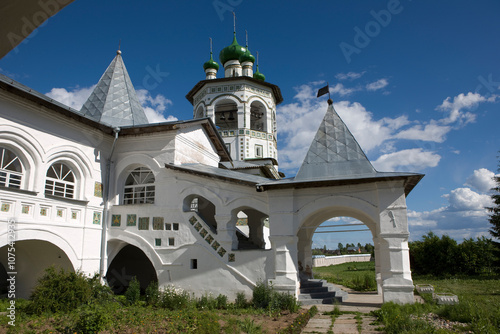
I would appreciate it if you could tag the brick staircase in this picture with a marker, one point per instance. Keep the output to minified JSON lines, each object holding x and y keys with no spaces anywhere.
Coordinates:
{"x":316,"y":291}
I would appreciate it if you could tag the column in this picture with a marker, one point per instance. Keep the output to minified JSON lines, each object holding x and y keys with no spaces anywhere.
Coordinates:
{"x":226,"y":231}
{"x":285,"y":271}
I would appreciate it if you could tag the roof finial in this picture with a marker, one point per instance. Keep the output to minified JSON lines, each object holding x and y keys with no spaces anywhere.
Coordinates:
{"x":118,"y":52}
{"x":210,"y":45}
{"x":257,"y":59}
{"x":234,"y":23}
{"x":246,"y":36}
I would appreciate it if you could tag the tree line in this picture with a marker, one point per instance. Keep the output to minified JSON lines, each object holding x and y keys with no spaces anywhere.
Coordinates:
{"x":445,"y":257}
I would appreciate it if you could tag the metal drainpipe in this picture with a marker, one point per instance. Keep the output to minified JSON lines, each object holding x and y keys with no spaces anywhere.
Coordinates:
{"x":105,"y":199}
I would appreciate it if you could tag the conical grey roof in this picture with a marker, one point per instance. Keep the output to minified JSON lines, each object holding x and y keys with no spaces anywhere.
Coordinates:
{"x":114,"y":100}
{"x":334,"y":152}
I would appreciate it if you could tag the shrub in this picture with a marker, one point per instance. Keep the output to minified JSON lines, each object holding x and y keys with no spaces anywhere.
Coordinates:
{"x":92,"y":320}
{"x":133,"y":293}
{"x":207,"y":301}
{"x":261,"y":295}
{"x":365,"y":283}
{"x":152,"y":294}
{"x":265,"y":297}
{"x":174,"y":298}
{"x":221,"y":302}
{"x":241,"y":301}
{"x":62,"y":290}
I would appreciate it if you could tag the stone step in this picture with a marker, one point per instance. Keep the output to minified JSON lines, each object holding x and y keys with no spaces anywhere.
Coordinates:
{"x":320,"y":292}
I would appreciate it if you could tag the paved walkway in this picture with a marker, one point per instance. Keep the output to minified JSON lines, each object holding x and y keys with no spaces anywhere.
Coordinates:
{"x":347,"y":323}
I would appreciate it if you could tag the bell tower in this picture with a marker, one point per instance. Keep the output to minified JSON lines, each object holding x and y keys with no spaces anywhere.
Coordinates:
{"x":242,"y":104}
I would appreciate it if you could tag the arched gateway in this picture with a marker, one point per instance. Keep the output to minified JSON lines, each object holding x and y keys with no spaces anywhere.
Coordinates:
{"x":337,"y":179}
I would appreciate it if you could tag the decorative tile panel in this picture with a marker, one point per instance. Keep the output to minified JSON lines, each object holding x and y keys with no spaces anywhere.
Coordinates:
{"x":97,"y":218}
{"x":215,"y":245}
{"x":203,"y":233}
{"x":193,"y":220}
{"x":131,"y":220}
{"x":74,"y":214}
{"x":231,"y":257}
{"x":5,"y":207}
{"x":143,"y":223}
{"x":157,"y":223}
{"x":209,"y":239}
{"x":221,"y":252}
{"x":60,"y":214}
{"x":197,"y":227}
{"x":44,"y":212}
{"x":25,"y":209}
{"x":116,"y":220}
{"x":98,"y":189}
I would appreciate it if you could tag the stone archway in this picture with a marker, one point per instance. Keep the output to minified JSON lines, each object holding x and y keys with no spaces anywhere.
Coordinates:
{"x":32,"y":258}
{"x":129,"y":262}
{"x":320,"y":211}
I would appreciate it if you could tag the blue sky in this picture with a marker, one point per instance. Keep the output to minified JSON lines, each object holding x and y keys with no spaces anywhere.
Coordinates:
{"x":417,"y":82}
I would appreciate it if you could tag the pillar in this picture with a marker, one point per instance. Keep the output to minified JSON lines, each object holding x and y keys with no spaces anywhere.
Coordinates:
{"x":226,"y":231}
{"x":285,"y":271}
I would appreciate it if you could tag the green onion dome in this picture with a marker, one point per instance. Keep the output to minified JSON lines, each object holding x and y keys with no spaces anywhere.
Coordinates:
{"x":232,"y":52}
{"x":247,"y":56}
{"x":211,"y":64}
{"x":259,"y":76}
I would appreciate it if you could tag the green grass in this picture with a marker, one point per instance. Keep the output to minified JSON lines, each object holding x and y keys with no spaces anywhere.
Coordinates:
{"x":359,"y":276}
{"x":479,"y":301}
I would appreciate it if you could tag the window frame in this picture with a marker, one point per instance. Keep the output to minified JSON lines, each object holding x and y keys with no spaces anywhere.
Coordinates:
{"x":10,"y":178}
{"x":60,"y":185}
{"x":139,"y":192}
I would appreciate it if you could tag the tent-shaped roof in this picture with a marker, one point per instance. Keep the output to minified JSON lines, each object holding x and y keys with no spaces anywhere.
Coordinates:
{"x":334,"y":152}
{"x":114,"y":101}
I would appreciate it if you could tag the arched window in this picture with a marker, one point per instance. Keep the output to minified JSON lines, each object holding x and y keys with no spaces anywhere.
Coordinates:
{"x":61,"y":181}
{"x":139,"y":187}
{"x":11,"y":170}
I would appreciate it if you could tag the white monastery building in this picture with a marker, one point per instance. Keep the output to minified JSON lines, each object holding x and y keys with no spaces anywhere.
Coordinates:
{"x":198,"y":204}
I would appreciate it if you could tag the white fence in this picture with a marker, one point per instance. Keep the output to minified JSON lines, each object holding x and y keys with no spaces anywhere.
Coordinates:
{"x":323,"y":261}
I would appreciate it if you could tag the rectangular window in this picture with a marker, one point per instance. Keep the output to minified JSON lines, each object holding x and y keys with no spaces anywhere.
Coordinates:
{"x":194,"y":263}
{"x":168,"y":226}
{"x":158,"y":242}
{"x":171,"y":241}
{"x":258,"y":151}
{"x":176,"y":226}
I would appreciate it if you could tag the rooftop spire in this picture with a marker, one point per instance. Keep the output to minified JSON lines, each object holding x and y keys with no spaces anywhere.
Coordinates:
{"x":334,"y":153}
{"x":114,"y":100}
{"x":234,"y":23}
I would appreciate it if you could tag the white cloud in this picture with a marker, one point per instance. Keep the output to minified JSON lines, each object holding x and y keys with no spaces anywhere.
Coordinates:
{"x":74,"y":98}
{"x":341,"y":90}
{"x":298,"y":122}
{"x":430,"y":132}
{"x":481,"y":180}
{"x":379,"y":84}
{"x":414,"y":159}
{"x":349,"y":75}
{"x":455,"y":107}
{"x":464,"y":216}
{"x":154,"y":107}
{"x":465,"y":199}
